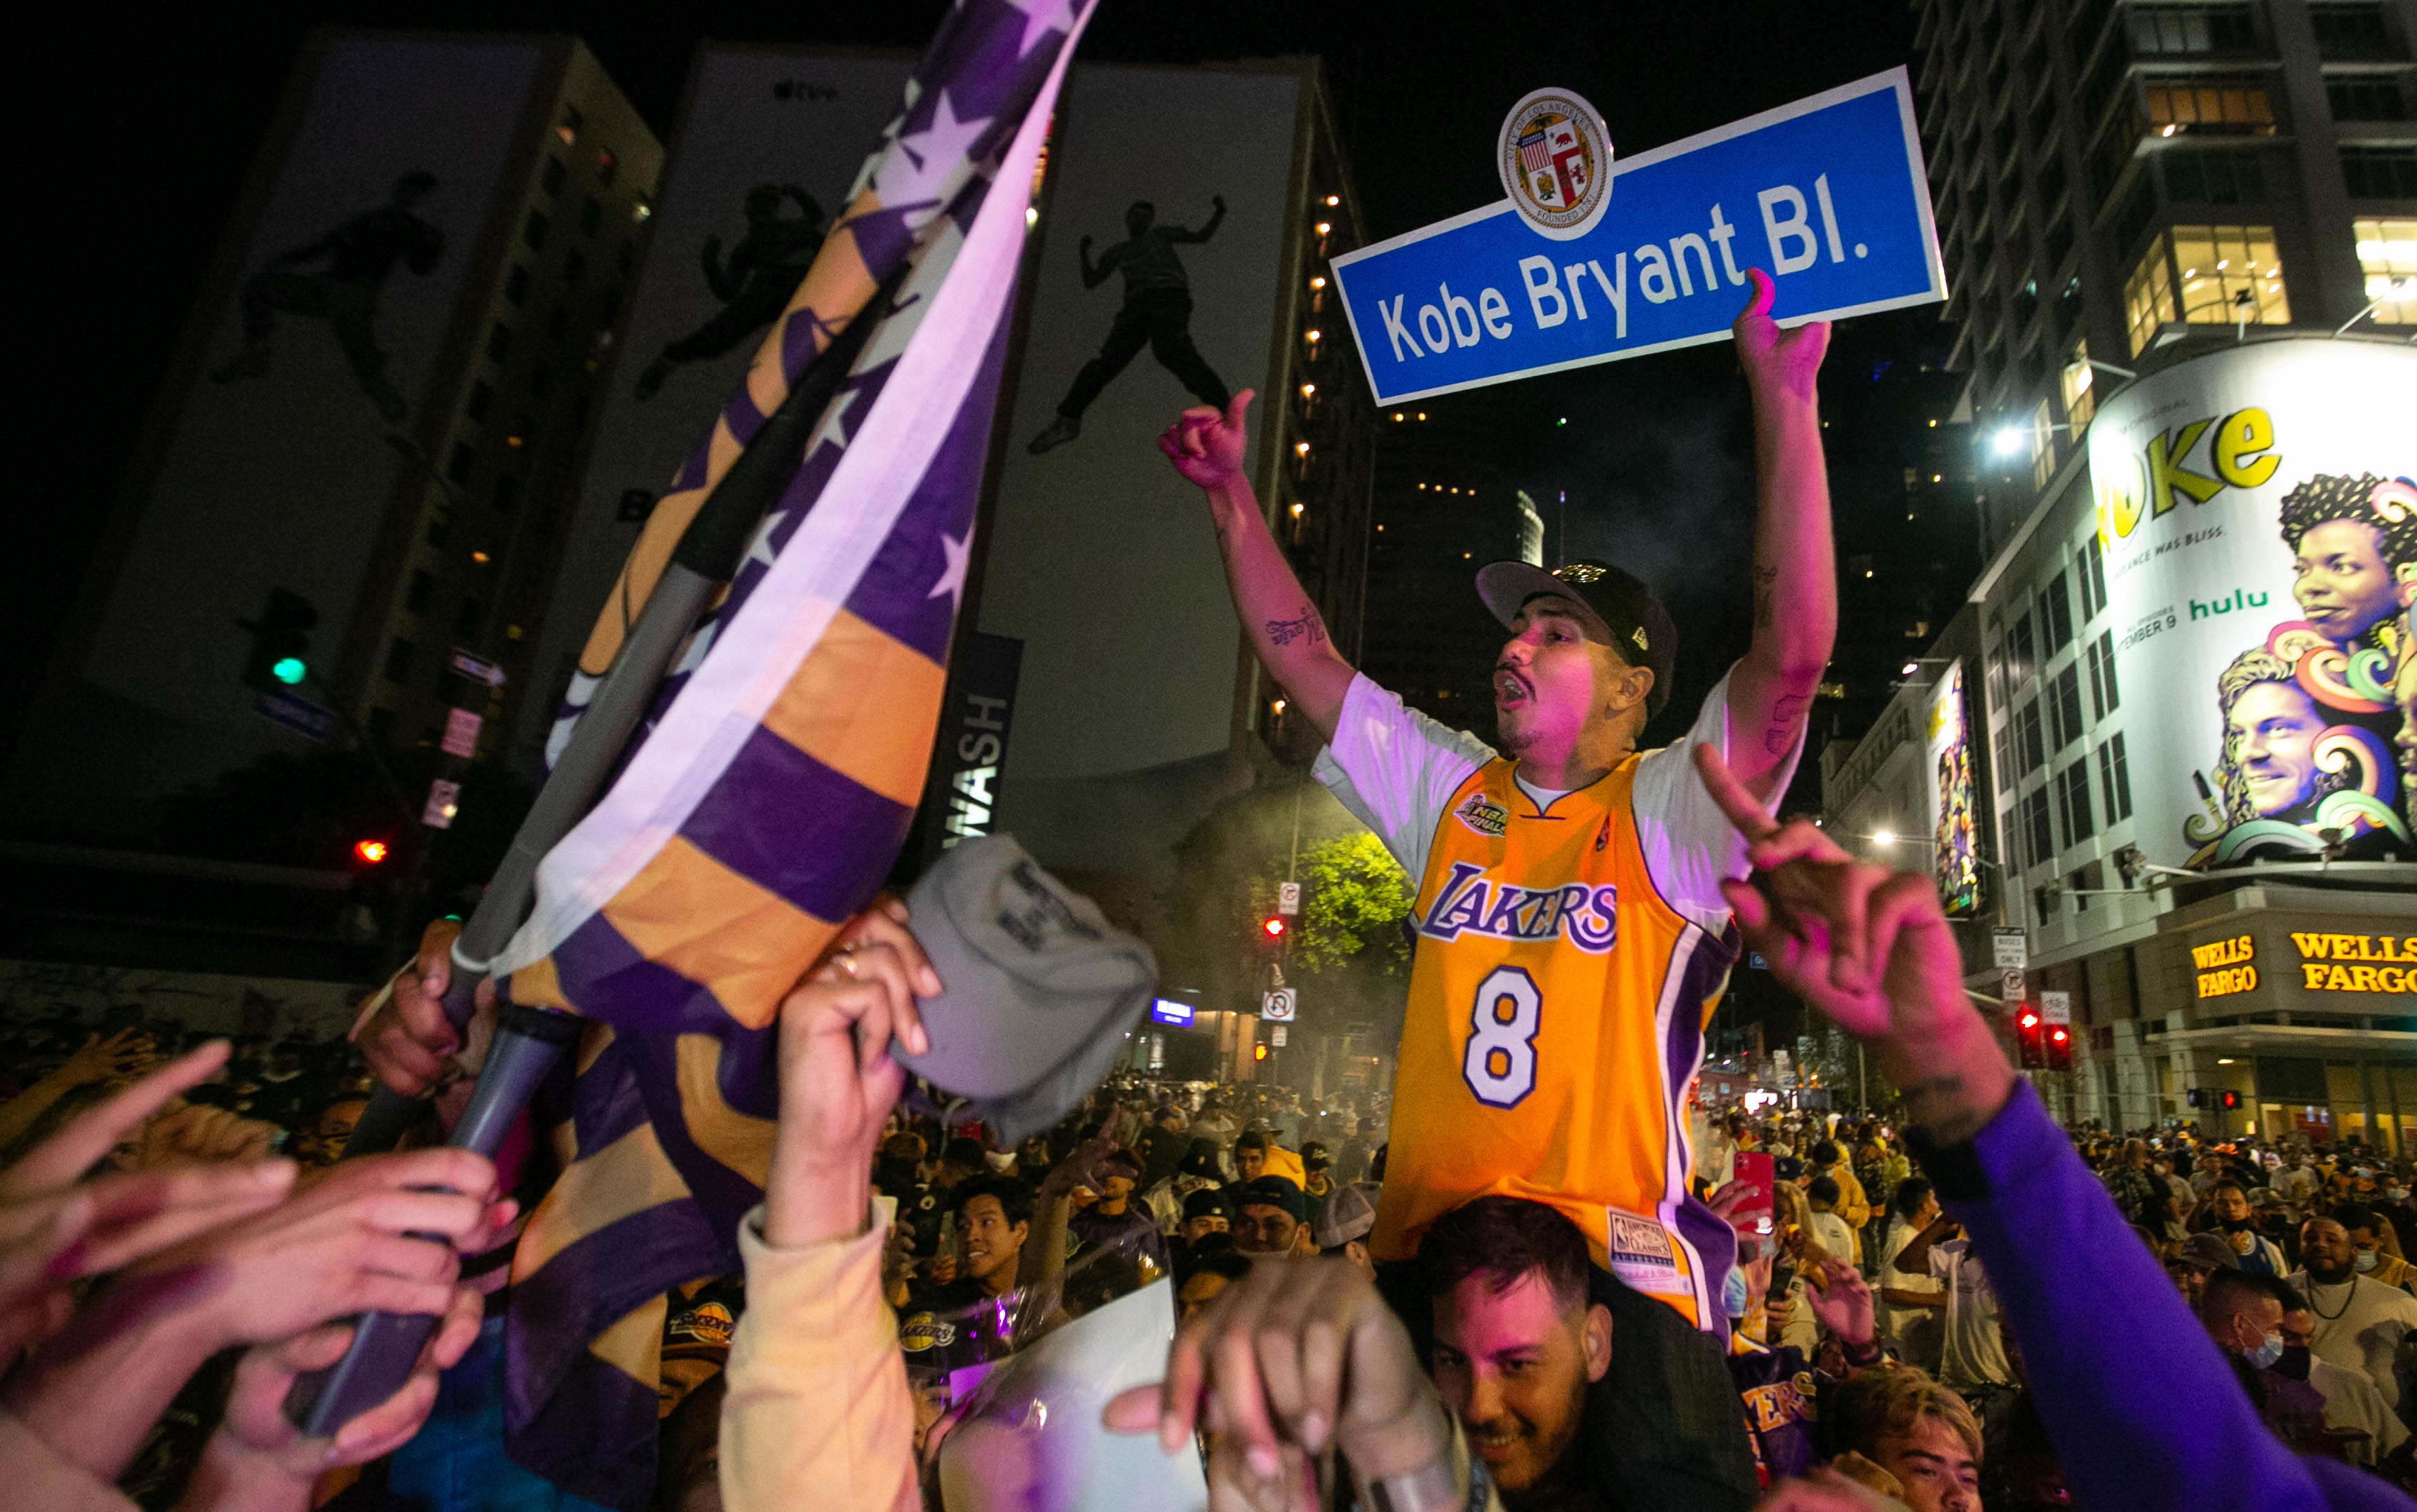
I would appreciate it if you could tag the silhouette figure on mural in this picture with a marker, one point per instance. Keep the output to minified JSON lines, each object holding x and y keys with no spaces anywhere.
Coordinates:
{"x":358,"y":255}
{"x":753,"y":285}
{"x":1157,"y":312}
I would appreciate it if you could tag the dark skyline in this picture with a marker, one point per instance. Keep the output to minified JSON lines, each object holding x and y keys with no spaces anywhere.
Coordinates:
{"x":153,"y":126}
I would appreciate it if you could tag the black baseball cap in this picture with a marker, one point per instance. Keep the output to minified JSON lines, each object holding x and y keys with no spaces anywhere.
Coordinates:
{"x":1633,"y":621}
{"x":1269,"y":1191}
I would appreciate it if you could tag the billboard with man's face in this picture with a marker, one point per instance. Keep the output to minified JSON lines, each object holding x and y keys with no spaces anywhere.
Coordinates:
{"x":2260,"y":524}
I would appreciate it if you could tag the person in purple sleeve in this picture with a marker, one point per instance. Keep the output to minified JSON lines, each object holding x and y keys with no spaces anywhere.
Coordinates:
{"x":2143,"y":1412}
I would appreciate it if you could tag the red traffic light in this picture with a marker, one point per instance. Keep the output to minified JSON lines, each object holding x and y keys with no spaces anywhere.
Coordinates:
{"x":1258,"y":1053}
{"x":2030,"y":1019}
{"x":1274,"y":928}
{"x":372,"y":851}
{"x":2058,"y":1034}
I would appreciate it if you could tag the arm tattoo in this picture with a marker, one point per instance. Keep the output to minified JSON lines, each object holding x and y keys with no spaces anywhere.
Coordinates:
{"x":1786,"y":713}
{"x":1764,"y":578}
{"x":1286,"y":631}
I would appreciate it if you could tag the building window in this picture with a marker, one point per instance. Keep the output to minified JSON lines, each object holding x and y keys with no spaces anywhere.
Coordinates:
{"x":569,"y":127}
{"x":591,"y":215}
{"x":2005,"y":745}
{"x":574,"y":270}
{"x":2072,"y":810}
{"x":2064,"y":706}
{"x":457,"y":466}
{"x":541,"y":380}
{"x":2104,"y":696}
{"x":397,"y":660}
{"x":2022,"y":656}
{"x":499,"y":343}
{"x":481,"y":396}
{"x":552,"y":176}
{"x":423,"y":583}
{"x":2093,"y":578}
{"x":532,"y":230}
{"x":2055,"y":616}
{"x":2208,"y":105}
{"x":2149,"y":296}
{"x":440,"y":525}
{"x":465,"y":619}
{"x":2387,"y":254}
{"x":2234,"y":178}
{"x":2035,"y":831}
{"x":558,"y":323}
{"x":2206,"y":275}
{"x":2114,"y":779}
{"x":516,"y":284}
{"x":2365,"y":100}
{"x":2380,"y":173}
{"x":2180,"y":30}
{"x":2351,"y":31}
{"x":508,"y":492}
{"x":2029,"y":753}
{"x":2043,"y":440}
{"x":2078,"y":381}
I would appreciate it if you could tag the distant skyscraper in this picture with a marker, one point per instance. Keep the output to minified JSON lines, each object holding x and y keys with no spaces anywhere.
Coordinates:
{"x":2109,"y":175}
{"x":377,"y":409}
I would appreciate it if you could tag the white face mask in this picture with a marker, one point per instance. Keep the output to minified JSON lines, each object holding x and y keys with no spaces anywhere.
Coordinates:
{"x":2367,"y":1260}
{"x":2265,"y":1355}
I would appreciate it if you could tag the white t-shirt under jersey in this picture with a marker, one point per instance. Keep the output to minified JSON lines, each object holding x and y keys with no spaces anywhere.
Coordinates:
{"x":1396,"y":770}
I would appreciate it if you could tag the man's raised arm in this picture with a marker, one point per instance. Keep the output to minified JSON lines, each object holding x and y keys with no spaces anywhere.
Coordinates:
{"x":1284,"y":628}
{"x":1795,"y":572}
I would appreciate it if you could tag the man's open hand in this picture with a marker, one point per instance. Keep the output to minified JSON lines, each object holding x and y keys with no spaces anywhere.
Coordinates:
{"x":1778,"y":363}
{"x":1207,"y":444}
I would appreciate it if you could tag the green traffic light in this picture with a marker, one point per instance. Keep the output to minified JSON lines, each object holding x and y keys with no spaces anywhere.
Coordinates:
{"x":287,"y":670}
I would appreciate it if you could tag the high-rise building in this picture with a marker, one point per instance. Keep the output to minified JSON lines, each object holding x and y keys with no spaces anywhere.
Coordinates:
{"x":2111,"y":178}
{"x":358,"y":472}
{"x":2181,"y":239}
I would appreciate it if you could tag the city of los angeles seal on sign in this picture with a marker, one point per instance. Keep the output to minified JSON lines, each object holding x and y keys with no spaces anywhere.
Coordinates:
{"x":1556,"y":160}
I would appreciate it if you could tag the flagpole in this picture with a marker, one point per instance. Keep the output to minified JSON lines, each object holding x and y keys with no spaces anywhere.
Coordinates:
{"x":528,"y":1041}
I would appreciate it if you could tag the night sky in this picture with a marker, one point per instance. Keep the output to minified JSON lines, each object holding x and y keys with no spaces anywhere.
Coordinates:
{"x":141,"y":128}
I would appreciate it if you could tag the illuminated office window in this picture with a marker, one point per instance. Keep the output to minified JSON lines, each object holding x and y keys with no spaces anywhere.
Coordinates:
{"x":2207,"y":276}
{"x":2149,"y":294}
{"x":2387,"y":254}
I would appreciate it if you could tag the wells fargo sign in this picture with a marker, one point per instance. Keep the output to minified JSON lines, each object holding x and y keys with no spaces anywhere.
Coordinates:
{"x":2226,"y":966}
{"x":2355,"y":962}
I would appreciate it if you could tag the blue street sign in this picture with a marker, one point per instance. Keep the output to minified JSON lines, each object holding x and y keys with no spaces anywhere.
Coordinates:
{"x":1168,"y":1010}
{"x":297,"y":714}
{"x":1827,"y":195}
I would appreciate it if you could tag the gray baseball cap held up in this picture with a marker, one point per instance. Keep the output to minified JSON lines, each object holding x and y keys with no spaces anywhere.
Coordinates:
{"x":1041,"y":988}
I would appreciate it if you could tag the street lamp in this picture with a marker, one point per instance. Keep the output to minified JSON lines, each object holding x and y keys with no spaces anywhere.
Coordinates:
{"x":2394,"y":293}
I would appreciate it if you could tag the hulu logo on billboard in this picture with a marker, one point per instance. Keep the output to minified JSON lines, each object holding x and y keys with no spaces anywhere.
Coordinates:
{"x":2240,"y":599}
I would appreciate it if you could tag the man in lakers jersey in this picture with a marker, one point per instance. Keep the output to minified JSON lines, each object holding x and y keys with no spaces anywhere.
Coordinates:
{"x":1572,"y":940}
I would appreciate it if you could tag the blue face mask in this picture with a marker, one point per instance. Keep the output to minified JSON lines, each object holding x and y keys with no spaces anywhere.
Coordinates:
{"x":1733,"y":1293}
{"x":2265,"y":1355}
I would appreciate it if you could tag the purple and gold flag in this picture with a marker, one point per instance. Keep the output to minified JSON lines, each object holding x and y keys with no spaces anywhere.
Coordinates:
{"x":770,"y":797}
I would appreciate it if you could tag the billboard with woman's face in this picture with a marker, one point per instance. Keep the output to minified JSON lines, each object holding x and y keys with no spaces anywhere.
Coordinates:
{"x":2259,"y":524}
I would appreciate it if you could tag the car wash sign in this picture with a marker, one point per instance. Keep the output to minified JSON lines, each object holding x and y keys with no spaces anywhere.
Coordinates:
{"x":1827,"y":195}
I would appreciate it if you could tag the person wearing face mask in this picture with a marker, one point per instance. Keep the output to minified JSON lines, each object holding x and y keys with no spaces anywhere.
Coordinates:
{"x":2243,"y":1314}
{"x":2372,"y":1254}
{"x":2354,"y":1410}
{"x":2360,"y":1324}
{"x":2231,"y":1217}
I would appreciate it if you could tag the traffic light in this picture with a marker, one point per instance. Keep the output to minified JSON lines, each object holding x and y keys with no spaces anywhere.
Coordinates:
{"x":1272,"y":932}
{"x":2032,"y":1056}
{"x":2060,"y":1048}
{"x":370,"y":851}
{"x":1258,"y":1053}
{"x":281,"y":642}
{"x":2233,"y":1099}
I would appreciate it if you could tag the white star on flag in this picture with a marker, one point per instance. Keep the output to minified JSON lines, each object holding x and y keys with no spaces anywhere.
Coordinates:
{"x":1041,"y":18}
{"x":834,"y":426}
{"x":917,"y":168}
{"x":959,"y":552}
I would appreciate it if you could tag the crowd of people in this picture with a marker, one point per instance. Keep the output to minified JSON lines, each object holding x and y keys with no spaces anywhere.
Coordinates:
{"x":1530,"y":1274}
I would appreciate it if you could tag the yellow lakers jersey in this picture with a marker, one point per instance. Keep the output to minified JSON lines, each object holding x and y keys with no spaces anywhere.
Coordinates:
{"x":1555,"y":1020}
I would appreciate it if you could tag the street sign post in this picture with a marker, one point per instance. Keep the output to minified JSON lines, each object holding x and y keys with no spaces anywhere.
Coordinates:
{"x":2055,"y":1007}
{"x":1287,"y":897}
{"x":1276,"y":1037}
{"x":1277,"y":1006}
{"x":2011,"y":984}
{"x":461,"y":733}
{"x":1827,"y":195}
{"x":477,"y":667}
{"x":443,"y":801}
{"x":2013,"y":947}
